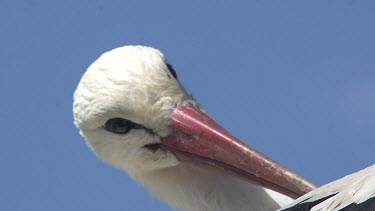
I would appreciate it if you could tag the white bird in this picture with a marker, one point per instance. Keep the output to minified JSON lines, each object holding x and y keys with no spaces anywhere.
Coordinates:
{"x":136,"y":116}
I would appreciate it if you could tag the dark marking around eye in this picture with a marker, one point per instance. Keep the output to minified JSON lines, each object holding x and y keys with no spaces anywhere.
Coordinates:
{"x":171,"y":69}
{"x":123,"y":126}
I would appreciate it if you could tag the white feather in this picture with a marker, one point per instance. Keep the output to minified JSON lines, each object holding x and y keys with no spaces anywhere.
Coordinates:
{"x":352,"y":189}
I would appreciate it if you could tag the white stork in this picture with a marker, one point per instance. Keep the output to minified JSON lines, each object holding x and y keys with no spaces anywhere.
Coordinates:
{"x":136,"y":116}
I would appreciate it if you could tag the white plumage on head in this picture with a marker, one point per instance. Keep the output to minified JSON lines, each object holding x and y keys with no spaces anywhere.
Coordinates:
{"x":135,"y":83}
{"x":132,"y":82}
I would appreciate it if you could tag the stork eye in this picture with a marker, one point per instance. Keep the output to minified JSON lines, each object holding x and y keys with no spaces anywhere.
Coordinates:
{"x":119,"y":125}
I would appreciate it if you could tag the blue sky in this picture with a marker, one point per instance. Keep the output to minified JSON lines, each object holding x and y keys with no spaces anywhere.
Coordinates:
{"x":293,"y":79}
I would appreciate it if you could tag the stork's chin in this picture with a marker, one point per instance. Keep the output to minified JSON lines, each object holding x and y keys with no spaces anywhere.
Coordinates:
{"x":199,"y":140}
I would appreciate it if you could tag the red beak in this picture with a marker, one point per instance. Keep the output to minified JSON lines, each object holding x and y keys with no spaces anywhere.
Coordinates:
{"x":201,"y":141}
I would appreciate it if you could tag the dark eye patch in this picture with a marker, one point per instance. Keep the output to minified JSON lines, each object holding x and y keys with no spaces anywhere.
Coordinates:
{"x":119,"y":125}
{"x":171,"y":69}
{"x":123,"y":126}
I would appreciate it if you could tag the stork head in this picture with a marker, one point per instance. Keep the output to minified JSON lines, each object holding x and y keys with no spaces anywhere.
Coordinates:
{"x":136,"y":116}
{"x":122,"y":107}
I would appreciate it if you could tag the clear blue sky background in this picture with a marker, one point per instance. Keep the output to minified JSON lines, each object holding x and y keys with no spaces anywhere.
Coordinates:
{"x":294,"y":79}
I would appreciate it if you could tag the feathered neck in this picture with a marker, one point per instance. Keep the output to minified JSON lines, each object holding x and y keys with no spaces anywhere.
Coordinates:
{"x":188,"y":188}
